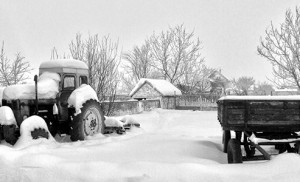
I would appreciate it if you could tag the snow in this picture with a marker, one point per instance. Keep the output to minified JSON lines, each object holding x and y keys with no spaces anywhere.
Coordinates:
{"x":64,"y":63}
{"x":270,"y":98}
{"x":170,"y":146}
{"x":80,"y":95}
{"x":27,"y":126}
{"x":286,"y":90}
{"x":256,"y":140}
{"x":119,"y":121}
{"x":162,"y":86}
{"x":127,"y":119}
{"x":112,"y":122}
{"x":48,"y":85}
{"x":7,"y":116}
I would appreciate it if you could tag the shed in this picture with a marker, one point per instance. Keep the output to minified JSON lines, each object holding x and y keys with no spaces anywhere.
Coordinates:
{"x":156,"y":89}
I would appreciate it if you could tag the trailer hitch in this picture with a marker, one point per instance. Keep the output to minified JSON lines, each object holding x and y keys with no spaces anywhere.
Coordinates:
{"x":259,"y":148}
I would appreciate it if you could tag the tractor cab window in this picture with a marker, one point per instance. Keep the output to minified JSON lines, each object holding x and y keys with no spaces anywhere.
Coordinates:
{"x":83,"y":80}
{"x":69,"y":82}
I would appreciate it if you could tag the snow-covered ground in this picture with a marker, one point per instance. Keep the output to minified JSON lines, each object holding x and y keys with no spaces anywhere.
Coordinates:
{"x":170,"y":146}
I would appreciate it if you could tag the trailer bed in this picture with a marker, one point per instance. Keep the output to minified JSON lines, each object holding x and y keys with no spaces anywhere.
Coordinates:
{"x":260,"y":113}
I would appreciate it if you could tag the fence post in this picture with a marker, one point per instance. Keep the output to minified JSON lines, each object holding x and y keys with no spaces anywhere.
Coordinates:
{"x":174,"y":99}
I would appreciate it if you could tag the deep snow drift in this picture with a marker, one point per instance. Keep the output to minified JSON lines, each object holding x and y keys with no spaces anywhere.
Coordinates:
{"x":169,"y":146}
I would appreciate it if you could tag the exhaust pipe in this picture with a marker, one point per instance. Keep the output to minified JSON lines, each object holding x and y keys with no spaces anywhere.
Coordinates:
{"x":36,"y":95}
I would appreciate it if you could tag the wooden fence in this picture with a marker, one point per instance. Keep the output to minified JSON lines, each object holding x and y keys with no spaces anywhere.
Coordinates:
{"x":203,"y":102}
{"x":197,"y":102}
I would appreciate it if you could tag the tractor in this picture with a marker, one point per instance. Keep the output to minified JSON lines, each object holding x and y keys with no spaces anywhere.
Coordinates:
{"x":61,"y":96}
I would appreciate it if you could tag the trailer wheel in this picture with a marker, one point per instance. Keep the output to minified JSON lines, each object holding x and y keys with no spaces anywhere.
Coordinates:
{"x":89,"y":122}
{"x":225,"y":139}
{"x":234,"y":152}
{"x":297,"y":147}
{"x":39,"y":133}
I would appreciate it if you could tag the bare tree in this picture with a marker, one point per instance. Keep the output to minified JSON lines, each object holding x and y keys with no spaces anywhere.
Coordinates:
{"x":187,"y":61}
{"x":13,"y":72}
{"x":281,"y":47}
{"x":264,"y":89}
{"x":177,"y":55}
{"x":173,"y":55}
{"x":101,"y":56}
{"x":139,"y":64}
{"x":140,"y":61}
{"x":198,"y":81}
{"x":161,"y":47}
{"x":243,"y":85}
{"x":55,"y":55}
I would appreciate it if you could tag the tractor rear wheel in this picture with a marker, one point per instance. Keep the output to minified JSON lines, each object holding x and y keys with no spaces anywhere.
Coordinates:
{"x":90,"y":121}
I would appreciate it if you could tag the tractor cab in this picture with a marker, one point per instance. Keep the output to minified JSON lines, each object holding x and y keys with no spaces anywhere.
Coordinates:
{"x":73,"y":73}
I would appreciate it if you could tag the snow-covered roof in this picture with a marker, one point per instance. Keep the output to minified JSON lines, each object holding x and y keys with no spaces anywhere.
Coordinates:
{"x":64,"y":63}
{"x":287,"y":97}
{"x":164,"y":87}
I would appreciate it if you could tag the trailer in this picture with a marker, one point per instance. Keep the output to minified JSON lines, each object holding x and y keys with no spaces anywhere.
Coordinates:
{"x":253,"y":122}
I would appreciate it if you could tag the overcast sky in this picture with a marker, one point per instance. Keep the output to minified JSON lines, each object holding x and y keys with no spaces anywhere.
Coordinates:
{"x":230,"y":30}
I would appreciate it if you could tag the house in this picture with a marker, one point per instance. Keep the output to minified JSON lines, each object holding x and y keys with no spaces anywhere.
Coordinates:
{"x":219,"y":83}
{"x":156,"y":89}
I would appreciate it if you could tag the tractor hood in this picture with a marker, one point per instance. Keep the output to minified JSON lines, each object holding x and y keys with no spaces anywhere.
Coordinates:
{"x":48,"y":85}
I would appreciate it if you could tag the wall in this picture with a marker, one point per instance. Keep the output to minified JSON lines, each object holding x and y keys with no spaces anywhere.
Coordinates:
{"x":132,"y":106}
{"x":168,"y":102}
{"x":148,"y":105}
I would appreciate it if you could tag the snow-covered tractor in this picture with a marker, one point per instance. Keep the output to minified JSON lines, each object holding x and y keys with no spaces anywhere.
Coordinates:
{"x":61,"y":96}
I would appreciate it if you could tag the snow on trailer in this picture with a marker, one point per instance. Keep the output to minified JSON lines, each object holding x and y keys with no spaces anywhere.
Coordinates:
{"x":261,"y":98}
{"x":274,"y":118}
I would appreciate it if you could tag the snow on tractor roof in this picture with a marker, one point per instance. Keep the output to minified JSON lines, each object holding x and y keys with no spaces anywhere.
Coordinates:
{"x":64,"y":63}
{"x":270,"y":98}
{"x":164,"y":87}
